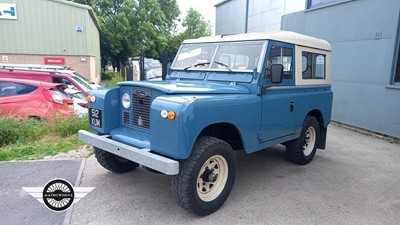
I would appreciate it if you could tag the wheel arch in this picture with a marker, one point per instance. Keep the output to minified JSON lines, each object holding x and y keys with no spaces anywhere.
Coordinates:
{"x":318,"y":115}
{"x":226,"y":132}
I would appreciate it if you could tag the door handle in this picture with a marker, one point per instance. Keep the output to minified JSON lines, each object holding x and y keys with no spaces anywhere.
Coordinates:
{"x":291,"y":106}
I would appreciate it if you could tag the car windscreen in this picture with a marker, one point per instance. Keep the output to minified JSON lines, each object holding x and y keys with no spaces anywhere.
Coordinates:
{"x":82,"y":77}
{"x":79,"y":95}
{"x":82,"y":84}
{"x":240,"y":56}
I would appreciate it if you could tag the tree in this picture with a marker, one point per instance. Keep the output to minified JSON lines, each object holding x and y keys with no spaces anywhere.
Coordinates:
{"x":132,"y":27}
{"x":194,"y":25}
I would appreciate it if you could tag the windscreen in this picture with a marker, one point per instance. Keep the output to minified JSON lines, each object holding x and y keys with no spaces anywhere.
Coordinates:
{"x":83,"y":84}
{"x":233,"y":56}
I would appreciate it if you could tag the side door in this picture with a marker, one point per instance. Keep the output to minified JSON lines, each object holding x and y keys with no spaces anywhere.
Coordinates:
{"x":278,"y":100}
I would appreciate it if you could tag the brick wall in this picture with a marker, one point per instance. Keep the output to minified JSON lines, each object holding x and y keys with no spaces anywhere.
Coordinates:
{"x":74,"y":62}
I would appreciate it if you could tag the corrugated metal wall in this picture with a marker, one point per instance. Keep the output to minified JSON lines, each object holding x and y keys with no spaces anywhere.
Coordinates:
{"x":93,"y":41}
{"x":263,"y":15}
{"x":48,"y":27}
{"x":230,"y":17}
{"x":361,"y":64}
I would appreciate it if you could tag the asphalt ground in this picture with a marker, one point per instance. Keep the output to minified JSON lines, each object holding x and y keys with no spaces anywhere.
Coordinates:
{"x":355,"y":180}
{"x":16,"y":205}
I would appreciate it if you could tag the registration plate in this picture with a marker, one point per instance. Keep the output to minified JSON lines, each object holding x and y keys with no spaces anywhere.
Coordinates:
{"x":95,"y":117}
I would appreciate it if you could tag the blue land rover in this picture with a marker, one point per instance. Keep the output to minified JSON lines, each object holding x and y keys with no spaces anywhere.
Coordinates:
{"x":221,"y":94}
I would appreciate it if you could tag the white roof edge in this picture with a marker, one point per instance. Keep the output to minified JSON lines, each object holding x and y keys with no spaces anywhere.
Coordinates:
{"x":283,"y":36}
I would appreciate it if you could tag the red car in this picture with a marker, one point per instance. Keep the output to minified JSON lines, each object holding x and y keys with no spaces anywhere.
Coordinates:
{"x":33,"y":98}
{"x":71,"y":80}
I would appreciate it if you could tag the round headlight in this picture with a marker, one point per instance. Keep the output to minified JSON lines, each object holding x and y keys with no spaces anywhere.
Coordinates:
{"x":164,"y":113}
{"x":126,"y":100}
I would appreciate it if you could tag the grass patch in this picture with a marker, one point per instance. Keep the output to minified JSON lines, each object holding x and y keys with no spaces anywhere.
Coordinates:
{"x":115,"y":78}
{"x":394,"y":140}
{"x":23,"y":138}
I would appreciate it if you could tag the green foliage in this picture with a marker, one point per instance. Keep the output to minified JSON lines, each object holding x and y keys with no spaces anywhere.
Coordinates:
{"x":115,"y":78}
{"x":38,"y":149}
{"x":15,"y":129}
{"x":394,"y":140}
{"x":195,"y":26}
{"x":27,"y":138}
{"x":108,"y":75}
{"x":132,"y":27}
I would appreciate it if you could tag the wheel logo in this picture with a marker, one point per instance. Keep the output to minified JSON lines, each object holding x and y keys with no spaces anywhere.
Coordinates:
{"x":58,"y":195}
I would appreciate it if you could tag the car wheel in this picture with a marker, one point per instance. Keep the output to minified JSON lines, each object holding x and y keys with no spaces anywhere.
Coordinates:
{"x":114,"y":163}
{"x":302,"y":150}
{"x":206,"y":178}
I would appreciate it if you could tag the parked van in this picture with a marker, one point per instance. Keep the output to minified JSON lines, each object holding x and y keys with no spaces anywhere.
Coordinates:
{"x":69,"y":78}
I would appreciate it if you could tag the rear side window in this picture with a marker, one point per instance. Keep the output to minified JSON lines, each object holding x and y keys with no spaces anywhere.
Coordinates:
{"x":313,"y":65}
{"x":14,"y":88}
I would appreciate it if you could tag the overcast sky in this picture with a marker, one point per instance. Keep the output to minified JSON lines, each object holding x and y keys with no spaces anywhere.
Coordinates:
{"x":205,"y":7}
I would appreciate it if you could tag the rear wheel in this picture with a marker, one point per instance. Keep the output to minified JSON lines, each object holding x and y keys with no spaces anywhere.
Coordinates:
{"x":206,"y":178}
{"x":302,"y":150}
{"x":114,"y":163}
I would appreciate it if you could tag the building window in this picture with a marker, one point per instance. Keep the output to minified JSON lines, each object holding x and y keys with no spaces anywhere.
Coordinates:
{"x":396,"y":79}
{"x":313,"y":65}
{"x":318,"y":3}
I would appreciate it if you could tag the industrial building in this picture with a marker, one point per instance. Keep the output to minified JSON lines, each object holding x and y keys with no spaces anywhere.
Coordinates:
{"x":54,"y":32}
{"x":364,"y":35}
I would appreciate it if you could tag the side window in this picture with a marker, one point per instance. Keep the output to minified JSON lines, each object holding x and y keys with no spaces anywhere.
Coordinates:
{"x":57,"y":80}
{"x":280,"y":55}
{"x":12,"y":89}
{"x":313,"y":65}
{"x":67,"y":82}
{"x":62,"y":81}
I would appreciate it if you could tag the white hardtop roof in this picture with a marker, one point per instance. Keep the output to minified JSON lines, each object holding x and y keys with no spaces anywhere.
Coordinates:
{"x":283,"y":36}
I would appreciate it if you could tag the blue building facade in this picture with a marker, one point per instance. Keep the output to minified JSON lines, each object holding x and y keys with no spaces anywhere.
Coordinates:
{"x":364,"y":35}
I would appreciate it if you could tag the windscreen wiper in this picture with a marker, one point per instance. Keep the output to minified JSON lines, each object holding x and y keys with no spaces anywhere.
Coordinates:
{"x":198,"y":64}
{"x":224,"y":65}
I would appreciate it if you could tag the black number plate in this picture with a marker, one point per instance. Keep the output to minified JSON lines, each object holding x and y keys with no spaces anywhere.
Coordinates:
{"x":95,"y":117}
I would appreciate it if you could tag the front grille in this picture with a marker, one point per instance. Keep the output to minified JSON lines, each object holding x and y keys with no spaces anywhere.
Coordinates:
{"x":141,"y":103}
{"x":126,"y":118}
{"x":139,"y":115}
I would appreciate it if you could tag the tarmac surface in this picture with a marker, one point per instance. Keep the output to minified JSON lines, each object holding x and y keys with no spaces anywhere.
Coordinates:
{"x":16,"y":205}
{"x":354,"y":181}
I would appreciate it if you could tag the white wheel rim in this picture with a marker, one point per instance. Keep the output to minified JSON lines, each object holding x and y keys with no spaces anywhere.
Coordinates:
{"x":215,"y":167}
{"x":309,"y":141}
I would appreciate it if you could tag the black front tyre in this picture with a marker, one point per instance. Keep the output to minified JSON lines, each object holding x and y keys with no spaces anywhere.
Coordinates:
{"x":114,"y":163}
{"x":302,"y":150}
{"x":206,"y":178}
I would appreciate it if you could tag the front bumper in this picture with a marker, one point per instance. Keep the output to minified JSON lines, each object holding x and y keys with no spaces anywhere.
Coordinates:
{"x":141,"y":156}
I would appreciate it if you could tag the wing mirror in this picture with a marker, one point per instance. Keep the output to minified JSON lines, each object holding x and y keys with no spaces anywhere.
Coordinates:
{"x":276,"y":73}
